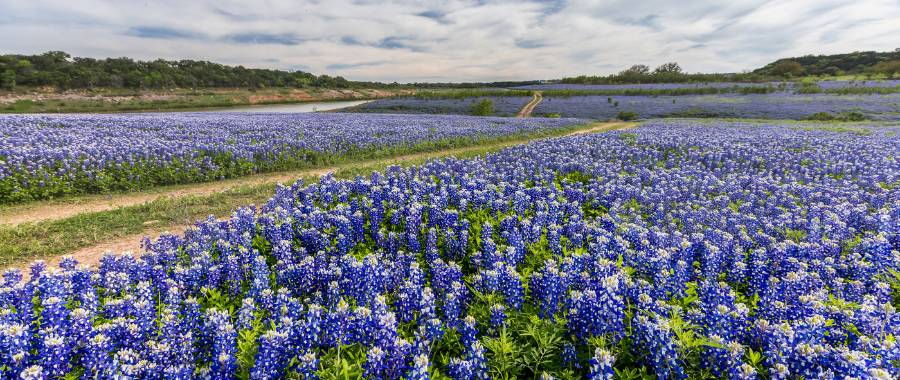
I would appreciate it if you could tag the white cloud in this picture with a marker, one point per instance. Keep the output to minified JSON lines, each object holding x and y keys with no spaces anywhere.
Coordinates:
{"x":453,"y":40}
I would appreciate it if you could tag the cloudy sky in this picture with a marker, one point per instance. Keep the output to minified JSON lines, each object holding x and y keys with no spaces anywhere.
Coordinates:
{"x":453,"y":40}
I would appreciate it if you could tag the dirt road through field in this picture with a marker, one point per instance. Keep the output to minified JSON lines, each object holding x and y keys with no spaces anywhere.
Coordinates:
{"x":61,"y":209}
{"x":132,"y":243}
{"x":529,"y":108}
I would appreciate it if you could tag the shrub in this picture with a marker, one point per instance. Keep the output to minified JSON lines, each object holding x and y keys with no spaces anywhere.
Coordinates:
{"x":626,"y":115}
{"x":8,"y":80}
{"x":821,"y":116}
{"x":788,"y":69}
{"x":843,"y":116}
{"x":695,"y":112}
{"x":888,"y":68}
{"x":483,"y":108}
{"x":853,"y":116}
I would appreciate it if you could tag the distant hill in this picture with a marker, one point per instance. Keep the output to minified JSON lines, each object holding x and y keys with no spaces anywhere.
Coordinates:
{"x":836,"y":64}
{"x":866,"y":62}
{"x":59,"y":69}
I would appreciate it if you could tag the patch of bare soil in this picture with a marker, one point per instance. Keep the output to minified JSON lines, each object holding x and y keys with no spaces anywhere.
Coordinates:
{"x":529,"y":108}
{"x":38,"y":212}
{"x":605,"y":127}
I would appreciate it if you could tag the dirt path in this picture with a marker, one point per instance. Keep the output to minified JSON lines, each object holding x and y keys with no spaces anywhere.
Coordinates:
{"x":132,"y":243}
{"x":55,"y":210}
{"x":61,"y":209}
{"x":529,"y":108}
{"x":605,"y":127}
{"x":127,"y":244}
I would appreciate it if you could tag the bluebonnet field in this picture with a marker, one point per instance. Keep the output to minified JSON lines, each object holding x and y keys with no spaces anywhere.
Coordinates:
{"x":47,"y":156}
{"x":762,"y":106}
{"x":649,"y":86}
{"x":677,"y":249}
{"x":786,"y":86}
{"x":858,"y":83}
{"x":873,"y":99}
{"x":503,"y":105}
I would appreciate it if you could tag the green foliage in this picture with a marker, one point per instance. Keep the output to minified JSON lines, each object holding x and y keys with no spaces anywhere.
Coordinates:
{"x":843,"y":116}
{"x":821,"y":116}
{"x":808,"y":88}
{"x":505,"y":355}
{"x":862,"y":90}
{"x":526,"y":348}
{"x":851,"y":63}
{"x":893,"y":280}
{"x":667,"y":68}
{"x":248,"y":346}
{"x":795,"y":235}
{"x":543,"y":342}
{"x":483,"y":108}
{"x":75,"y":374}
{"x":670,"y":72}
{"x":853,"y":116}
{"x":575,"y":177}
{"x":888,"y":68}
{"x":788,"y":69}
{"x":344,"y":362}
{"x":8,"y":80}
{"x":626,"y":115}
{"x":629,"y":138}
{"x":59,"y":69}
{"x":867,"y":62}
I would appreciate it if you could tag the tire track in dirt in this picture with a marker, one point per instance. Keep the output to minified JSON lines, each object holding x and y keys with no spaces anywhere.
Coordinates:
{"x":529,"y":108}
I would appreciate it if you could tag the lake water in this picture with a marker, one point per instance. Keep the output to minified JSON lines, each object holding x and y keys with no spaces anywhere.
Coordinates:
{"x":294,"y":107}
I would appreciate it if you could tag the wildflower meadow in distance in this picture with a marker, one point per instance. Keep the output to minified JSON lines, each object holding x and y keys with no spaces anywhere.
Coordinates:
{"x":832,"y":99}
{"x":502,"y":105}
{"x":785,"y":86}
{"x":43,"y":156}
{"x":678,"y":249}
{"x":761,"y":106}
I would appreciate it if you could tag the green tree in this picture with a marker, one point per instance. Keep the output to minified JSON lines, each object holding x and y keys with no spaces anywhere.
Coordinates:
{"x":788,"y":69}
{"x":626,"y":115}
{"x":888,"y":68}
{"x":638,"y":69}
{"x":483,"y":108}
{"x":61,"y":70}
{"x":8,"y":80}
{"x":668,"y":68}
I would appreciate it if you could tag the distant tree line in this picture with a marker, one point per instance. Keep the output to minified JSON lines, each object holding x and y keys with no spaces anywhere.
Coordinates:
{"x":861,"y":62}
{"x":670,"y":72}
{"x":59,"y":69}
{"x":867,"y":63}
